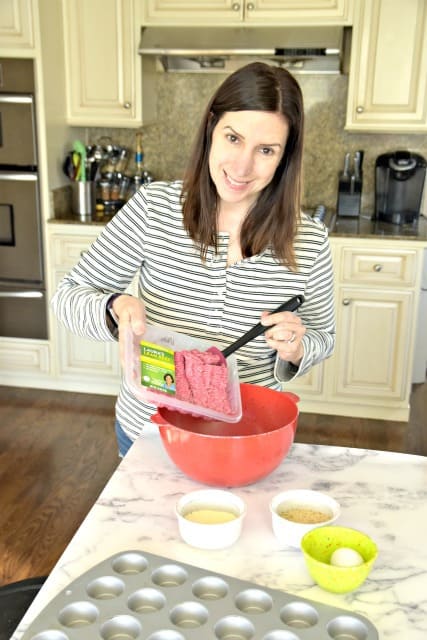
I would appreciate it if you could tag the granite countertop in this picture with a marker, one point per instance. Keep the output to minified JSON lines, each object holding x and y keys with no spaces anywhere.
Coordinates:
{"x":365,"y":227}
{"x":361,"y":227}
{"x":383,"y":494}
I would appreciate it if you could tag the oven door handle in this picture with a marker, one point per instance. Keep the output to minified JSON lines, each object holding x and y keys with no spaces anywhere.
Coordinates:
{"x":21,"y":294}
{"x":10,"y":98}
{"x":19,"y":175}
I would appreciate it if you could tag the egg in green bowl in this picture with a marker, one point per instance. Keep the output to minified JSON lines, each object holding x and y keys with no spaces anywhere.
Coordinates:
{"x":319,"y":545}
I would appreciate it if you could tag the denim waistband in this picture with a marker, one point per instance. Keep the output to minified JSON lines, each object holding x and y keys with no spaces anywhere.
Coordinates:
{"x":123,"y":440}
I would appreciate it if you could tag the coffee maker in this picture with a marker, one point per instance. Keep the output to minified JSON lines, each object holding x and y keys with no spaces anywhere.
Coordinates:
{"x":399,"y":183}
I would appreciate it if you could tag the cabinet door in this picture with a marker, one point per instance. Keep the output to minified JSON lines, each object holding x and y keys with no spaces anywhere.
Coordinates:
{"x":308,"y":386}
{"x":82,"y":364}
{"x":188,"y":12}
{"x":250,"y":11}
{"x":16,"y":24}
{"x":87,"y":365}
{"x":102,"y":65}
{"x":388,"y":68}
{"x":304,"y":12}
{"x":374,"y":329}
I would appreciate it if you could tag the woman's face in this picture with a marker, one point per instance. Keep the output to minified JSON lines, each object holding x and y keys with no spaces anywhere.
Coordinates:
{"x":247,"y":147}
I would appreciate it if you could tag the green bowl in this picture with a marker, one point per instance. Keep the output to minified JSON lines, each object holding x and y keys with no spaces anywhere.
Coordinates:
{"x":319,"y":544}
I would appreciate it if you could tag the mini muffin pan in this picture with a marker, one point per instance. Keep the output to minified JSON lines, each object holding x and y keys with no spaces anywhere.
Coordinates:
{"x":136,"y":595}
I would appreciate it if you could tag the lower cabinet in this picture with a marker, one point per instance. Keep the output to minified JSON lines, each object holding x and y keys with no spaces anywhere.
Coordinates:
{"x":377,"y":294}
{"x":80,"y":364}
{"x":25,"y":363}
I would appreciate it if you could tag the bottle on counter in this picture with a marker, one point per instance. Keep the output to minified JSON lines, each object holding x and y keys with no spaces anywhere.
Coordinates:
{"x":142,"y":175}
{"x":139,"y":155}
{"x":122,"y":160}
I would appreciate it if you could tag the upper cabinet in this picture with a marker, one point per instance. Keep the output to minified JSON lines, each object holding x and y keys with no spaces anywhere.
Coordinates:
{"x":16,"y":24}
{"x":103,"y":78}
{"x":257,"y":12}
{"x":388,"y":77}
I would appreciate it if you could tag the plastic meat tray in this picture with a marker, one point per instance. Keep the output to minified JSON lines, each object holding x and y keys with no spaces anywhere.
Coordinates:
{"x":136,"y":595}
{"x":164,"y":337}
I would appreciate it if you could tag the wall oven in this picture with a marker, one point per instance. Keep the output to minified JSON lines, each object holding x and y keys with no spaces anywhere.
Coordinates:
{"x":23,"y":305}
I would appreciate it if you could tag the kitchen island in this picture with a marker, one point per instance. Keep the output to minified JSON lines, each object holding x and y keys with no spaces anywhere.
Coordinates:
{"x":383,"y":494}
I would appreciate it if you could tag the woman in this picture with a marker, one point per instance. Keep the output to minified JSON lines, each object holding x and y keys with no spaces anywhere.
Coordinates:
{"x":221,"y":249}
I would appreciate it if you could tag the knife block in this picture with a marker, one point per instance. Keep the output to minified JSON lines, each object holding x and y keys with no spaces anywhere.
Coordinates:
{"x":349,"y":196}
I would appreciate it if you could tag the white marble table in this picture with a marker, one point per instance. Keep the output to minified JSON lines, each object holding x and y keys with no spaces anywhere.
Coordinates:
{"x":383,"y":494}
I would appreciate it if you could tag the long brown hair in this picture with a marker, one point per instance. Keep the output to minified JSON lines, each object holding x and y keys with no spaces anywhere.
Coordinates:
{"x":272,"y":220}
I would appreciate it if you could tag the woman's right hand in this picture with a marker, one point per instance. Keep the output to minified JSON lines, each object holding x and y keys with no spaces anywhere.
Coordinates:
{"x":129,"y":311}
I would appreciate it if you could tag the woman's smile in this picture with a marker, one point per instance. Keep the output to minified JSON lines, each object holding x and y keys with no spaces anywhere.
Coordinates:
{"x":235,"y":184}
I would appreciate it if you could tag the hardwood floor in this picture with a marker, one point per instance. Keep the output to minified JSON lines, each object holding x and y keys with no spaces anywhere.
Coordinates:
{"x":58,"y":449}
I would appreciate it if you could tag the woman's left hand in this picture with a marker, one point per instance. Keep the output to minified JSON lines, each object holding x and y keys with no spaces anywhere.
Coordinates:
{"x":284,"y":334}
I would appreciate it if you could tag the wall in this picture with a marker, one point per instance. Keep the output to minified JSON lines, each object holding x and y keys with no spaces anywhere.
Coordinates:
{"x":182,"y":97}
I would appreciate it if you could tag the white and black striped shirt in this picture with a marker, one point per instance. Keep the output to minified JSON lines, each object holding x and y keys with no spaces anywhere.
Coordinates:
{"x":208,"y":299}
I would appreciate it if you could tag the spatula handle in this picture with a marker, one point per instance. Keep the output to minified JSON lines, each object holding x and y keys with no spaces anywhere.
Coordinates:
{"x":289,"y":305}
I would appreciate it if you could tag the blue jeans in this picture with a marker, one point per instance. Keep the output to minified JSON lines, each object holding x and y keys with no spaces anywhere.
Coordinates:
{"x":123,"y":440}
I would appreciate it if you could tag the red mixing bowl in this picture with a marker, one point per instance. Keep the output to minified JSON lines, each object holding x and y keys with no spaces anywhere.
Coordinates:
{"x":224,"y":454}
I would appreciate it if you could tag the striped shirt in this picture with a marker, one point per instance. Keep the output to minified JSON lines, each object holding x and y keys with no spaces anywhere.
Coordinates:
{"x":208,"y":300}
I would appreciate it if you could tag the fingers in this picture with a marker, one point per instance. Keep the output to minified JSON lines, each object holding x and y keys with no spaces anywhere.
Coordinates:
{"x":284,"y":334}
{"x":130,"y":310}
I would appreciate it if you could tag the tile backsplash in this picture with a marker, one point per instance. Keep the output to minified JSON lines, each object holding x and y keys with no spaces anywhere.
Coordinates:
{"x":181,"y":99}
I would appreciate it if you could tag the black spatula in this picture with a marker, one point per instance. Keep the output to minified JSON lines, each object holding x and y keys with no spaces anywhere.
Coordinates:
{"x":289,"y":305}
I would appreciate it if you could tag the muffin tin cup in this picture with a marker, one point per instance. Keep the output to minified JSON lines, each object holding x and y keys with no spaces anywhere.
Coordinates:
{"x":136,"y":595}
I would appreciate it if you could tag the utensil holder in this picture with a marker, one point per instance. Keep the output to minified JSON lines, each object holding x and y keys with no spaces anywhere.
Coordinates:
{"x":83,"y":198}
{"x":349,"y":197}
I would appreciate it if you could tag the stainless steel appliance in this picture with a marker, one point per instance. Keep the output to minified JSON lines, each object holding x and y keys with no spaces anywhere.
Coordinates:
{"x":23,"y":312}
{"x":313,"y":49}
{"x":399,"y":181}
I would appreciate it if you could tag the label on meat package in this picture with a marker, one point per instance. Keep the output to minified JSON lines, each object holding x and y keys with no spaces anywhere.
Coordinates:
{"x":157,"y":367}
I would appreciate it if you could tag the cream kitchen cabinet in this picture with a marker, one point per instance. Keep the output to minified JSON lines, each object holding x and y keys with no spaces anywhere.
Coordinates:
{"x":25,"y":363}
{"x":266,"y":12}
{"x":388,"y":68}
{"x":102,"y":67}
{"x":81,"y":364}
{"x":16,"y":24}
{"x":377,"y":293}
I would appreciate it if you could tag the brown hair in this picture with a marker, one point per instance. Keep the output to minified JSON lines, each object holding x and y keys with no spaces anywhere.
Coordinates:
{"x":274,"y":216}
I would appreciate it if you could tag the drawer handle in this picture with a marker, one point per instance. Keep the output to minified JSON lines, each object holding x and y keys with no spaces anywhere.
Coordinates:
{"x":346,"y":302}
{"x":359,"y":109}
{"x":235,"y":6}
{"x":127,"y":105}
{"x":250,"y":6}
{"x":378,"y":267}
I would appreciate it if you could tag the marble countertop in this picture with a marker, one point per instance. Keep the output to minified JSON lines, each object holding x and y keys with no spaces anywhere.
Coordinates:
{"x":383,"y":494}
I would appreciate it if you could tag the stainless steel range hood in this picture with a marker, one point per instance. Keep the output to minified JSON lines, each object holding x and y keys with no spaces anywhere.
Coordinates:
{"x":216,"y":49}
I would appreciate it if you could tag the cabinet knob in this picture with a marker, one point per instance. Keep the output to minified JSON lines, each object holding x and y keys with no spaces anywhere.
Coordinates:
{"x":127,"y":105}
{"x":250,"y":6}
{"x":359,"y":109}
{"x":378,"y":267}
{"x":346,"y":302}
{"x":235,"y":6}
